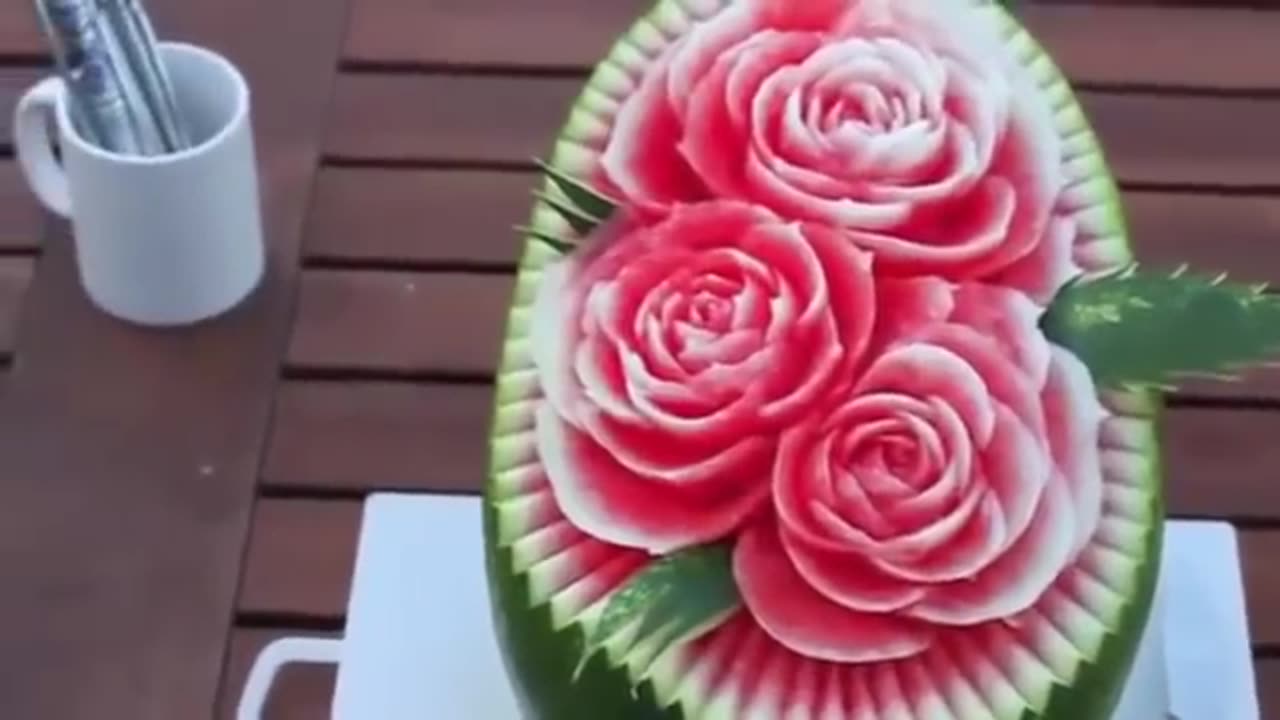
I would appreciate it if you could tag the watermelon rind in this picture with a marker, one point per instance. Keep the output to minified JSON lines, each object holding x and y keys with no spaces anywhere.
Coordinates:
{"x":541,"y":659}
{"x":1105,"y":676}
{"x":1080,"y":659}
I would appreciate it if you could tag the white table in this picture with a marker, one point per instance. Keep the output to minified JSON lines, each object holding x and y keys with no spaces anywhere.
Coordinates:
{"x":420,"y":587}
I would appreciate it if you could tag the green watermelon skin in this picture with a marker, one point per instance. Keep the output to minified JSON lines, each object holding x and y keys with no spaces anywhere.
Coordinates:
{"x":542,"y":645}
{"x":541,"y":660}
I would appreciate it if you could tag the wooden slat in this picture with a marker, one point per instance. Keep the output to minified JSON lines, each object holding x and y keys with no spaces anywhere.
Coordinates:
{"x":19,"y":33}
{"x":1155,"y":139}
{"x":400,"y":322}
{"x":13,"y":82}
{"x":439,"y":216}
{"x":1239,"y":235}
{"x":1096,"y":44}
{"x":364,"y":436}
{"x":1233,"y":48}
{"x":426,"y":324}
{"x":300,"y":549}
{"x":1258,"y":551}
{"x":1267,"y":673}
{"x":1222,"y":462}
{"x":447,"y":117}
{"x":452,"y":216}
{"x":418,"y":216}
{"x":546,"y":33}
{"x":131,"y":456}
{"x":359,"y":436}
{"x":277,"y":581}
{"x":300,"y":692}
{"x":15,"y":276}
{"x":21,"y":220}
{"x":1150,"y":139}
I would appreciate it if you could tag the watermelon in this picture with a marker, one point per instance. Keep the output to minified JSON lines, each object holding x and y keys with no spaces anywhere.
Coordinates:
{"x":930,"y":513}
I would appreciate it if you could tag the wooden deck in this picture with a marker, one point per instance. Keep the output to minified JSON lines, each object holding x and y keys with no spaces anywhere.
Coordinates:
{"x":171,"y":501}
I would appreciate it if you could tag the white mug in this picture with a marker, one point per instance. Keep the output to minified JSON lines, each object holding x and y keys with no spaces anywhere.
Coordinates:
{"x":160,"y":240}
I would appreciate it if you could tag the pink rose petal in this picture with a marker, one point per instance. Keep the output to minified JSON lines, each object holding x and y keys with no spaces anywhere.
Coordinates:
{"x":1029,"y":159}
{"x":950,"y":237}
{"x":654,"y":453}
{"x":921,"y":370}
{"x":807,"y":15}
{"x":659,"y":355}
{"x":936,"y":512}
{"x":1005,"y":383}
{"x":1016,"y":468}
{"x":1048,"y":267}
{"x":755,"y":61}
{"x":802,"y":619}
{"x":600,"y":373}
{"x":553,"y":335}
{"x":843,"y":310}
{"x":711,"y":143}
{"x":1018,"y":577}
{"x":703,"y":46}
{"x":847,"y":579}
{"x":929,"y":537}
{"x":905,"y":307}
{"x":805,"y":489}
{"x":653,"y":400}
{"x":641,"y":157}
{"x":1074,"y":418}
{"x":1009,"y":318}
{"x":607,"y":501}
{"x":970,"y":550}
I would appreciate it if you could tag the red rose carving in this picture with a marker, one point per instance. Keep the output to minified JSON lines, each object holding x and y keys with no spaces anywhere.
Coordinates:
{"x":950,"y":486}
{"x":673,"y":353}
{"x":904,"y":123}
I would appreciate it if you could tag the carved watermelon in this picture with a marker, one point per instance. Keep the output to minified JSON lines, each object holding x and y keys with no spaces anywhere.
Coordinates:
{"x":872,"y":601}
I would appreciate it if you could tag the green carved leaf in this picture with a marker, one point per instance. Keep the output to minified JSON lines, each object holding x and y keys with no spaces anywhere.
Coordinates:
{"x":581,"y":222}
{"x":677,"y":598}
{"x":1137,"y":328}
{"x":590,"y":201}
{"x":560,"y":245}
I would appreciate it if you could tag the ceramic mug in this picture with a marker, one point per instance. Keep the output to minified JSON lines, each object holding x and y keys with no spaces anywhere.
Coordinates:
{"x":160,"y":240}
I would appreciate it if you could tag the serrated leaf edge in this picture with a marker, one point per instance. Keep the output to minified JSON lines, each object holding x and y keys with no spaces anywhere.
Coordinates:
{"x":642,"y":623}
{"x":1227,"y":371}
{"x":581,"y":221}
{"x":560,"y":245}
{"x":578,"y":192}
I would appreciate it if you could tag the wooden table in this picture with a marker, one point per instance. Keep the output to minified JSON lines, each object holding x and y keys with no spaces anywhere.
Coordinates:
{"x":171,"y":501}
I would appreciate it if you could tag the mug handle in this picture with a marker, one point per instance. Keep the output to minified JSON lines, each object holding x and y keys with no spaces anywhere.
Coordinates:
{"x":34,"y":145}
{"x":277,"y":654}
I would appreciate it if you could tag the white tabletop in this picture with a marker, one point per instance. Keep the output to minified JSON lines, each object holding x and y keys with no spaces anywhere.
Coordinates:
{"x":419,"y":641}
